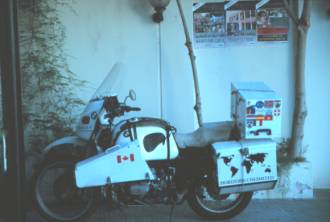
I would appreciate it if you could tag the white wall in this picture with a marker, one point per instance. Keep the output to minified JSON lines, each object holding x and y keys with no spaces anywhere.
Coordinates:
{"x":104,"y":31}
{"x":317,"y":129}
{"x":177,"y":79}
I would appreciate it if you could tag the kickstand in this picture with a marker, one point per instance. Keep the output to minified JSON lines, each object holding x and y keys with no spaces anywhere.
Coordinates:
{"x":180,"y":197}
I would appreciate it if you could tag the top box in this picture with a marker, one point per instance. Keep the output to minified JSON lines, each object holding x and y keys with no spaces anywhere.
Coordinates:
{"x":256,"y":109}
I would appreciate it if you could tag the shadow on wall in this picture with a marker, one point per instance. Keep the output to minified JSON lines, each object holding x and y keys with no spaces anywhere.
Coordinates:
{"x":324,"y":12}
{"x":143,"y":9}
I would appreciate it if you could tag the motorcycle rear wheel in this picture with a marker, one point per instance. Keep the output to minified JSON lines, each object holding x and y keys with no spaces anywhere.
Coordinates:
{"x":220,"y":208}
{"x":56,"y":196}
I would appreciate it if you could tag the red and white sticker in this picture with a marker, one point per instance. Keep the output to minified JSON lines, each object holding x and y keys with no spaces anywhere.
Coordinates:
{"x":124,"y":158}
{"x":269,"y":103}
{"x":269,"y":117}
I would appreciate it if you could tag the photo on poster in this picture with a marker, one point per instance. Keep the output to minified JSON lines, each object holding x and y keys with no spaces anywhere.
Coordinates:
{"x":272,"y":25}
{"x":241,"y":23}
{"x":209,"y":25}
{"x":240,"y":26}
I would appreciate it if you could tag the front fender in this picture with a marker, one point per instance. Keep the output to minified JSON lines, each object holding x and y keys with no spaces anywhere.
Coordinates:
{"x":69,"y":140}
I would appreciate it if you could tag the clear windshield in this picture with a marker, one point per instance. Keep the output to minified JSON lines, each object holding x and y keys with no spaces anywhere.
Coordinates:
{"x":112,"y":82}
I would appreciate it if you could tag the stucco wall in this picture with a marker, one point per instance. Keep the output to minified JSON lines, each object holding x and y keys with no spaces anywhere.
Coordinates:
{"x":106,"y":31}
{"x":317,"y":130}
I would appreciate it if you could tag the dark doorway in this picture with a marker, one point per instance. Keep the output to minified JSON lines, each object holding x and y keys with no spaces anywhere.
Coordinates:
{"x":12,"y":156}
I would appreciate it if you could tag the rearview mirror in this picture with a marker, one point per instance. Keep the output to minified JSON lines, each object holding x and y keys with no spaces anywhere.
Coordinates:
{"x":132,"y":95}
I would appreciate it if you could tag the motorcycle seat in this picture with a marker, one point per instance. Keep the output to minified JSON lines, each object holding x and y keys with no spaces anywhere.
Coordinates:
{"x":205,"y":135}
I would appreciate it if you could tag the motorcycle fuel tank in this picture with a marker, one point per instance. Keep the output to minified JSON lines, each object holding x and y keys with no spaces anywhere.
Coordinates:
{"x":121,"y":163}
{"x":151,"y":136}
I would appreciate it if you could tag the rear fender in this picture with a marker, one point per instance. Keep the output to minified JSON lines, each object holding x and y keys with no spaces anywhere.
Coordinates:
{"x":66,"y":146}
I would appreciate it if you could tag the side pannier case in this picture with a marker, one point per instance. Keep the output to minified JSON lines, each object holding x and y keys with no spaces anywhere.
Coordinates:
{"x":246,"y":165}
{"x":256,"y":110}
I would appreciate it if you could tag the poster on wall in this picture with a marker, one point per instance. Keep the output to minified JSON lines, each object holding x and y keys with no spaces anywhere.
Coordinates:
{"x":272,"y":25}
{"x":239,"y":24}
{"x":209,"y":25}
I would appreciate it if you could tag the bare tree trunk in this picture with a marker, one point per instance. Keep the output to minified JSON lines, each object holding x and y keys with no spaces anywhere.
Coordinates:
{"x":300,"y":109}
{"x":198,"y":105}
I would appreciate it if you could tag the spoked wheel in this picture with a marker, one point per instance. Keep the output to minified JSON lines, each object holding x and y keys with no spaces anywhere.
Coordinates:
{"x":56,"y":194}
{"x":219,"y":207}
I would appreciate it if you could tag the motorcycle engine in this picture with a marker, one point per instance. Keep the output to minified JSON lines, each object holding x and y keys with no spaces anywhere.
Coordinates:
{"x":151,"y":191}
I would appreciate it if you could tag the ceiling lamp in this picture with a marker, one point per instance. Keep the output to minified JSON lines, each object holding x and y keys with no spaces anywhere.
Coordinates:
{"x":159,"y":6}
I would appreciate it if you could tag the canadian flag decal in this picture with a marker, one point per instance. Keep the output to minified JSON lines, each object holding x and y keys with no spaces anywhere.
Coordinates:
{"x":124,"y":158}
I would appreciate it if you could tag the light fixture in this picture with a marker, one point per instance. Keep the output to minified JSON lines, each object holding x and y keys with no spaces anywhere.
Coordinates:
{"x":159,"y":6}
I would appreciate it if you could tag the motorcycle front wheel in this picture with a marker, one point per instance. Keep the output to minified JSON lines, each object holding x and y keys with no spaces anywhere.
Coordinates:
{"x":56,"y":195}
{"x":220,"y":207}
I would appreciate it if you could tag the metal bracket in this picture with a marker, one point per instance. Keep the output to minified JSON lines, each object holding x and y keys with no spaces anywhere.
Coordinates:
{"x":4,"y":152}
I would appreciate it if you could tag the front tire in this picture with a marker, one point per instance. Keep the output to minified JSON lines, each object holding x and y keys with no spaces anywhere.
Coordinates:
{"x":56,"y":196}
{"x":223,"y":207}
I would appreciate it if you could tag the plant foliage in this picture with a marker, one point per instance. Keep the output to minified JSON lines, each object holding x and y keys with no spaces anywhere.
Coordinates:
{"x":284,"y":161}
{"x":49,"y":86}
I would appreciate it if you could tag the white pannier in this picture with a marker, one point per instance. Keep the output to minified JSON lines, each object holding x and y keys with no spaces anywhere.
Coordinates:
{"x":256,"y":110}
{"x":246,"y":165}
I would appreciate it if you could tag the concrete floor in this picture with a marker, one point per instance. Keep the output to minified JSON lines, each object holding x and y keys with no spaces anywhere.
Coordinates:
{"x":317,"y":210}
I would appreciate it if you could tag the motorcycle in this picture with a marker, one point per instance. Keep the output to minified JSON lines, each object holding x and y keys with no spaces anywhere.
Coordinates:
{"x":133,"y":161}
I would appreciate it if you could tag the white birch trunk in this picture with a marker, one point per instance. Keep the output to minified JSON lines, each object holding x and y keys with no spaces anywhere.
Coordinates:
{"x":198,"y":106}
{"x":302,"y":24}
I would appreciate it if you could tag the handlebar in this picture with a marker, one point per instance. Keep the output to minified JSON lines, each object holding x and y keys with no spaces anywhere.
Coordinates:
{"x":130,"y":108}
{"x":120,"y":111}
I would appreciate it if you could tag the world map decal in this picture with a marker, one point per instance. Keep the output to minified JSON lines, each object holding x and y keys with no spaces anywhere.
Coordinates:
{"x":248,"y":163}
{"x":253,"y":158}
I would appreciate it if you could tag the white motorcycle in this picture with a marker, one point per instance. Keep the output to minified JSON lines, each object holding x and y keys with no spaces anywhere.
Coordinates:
{"x":135,"y":161}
